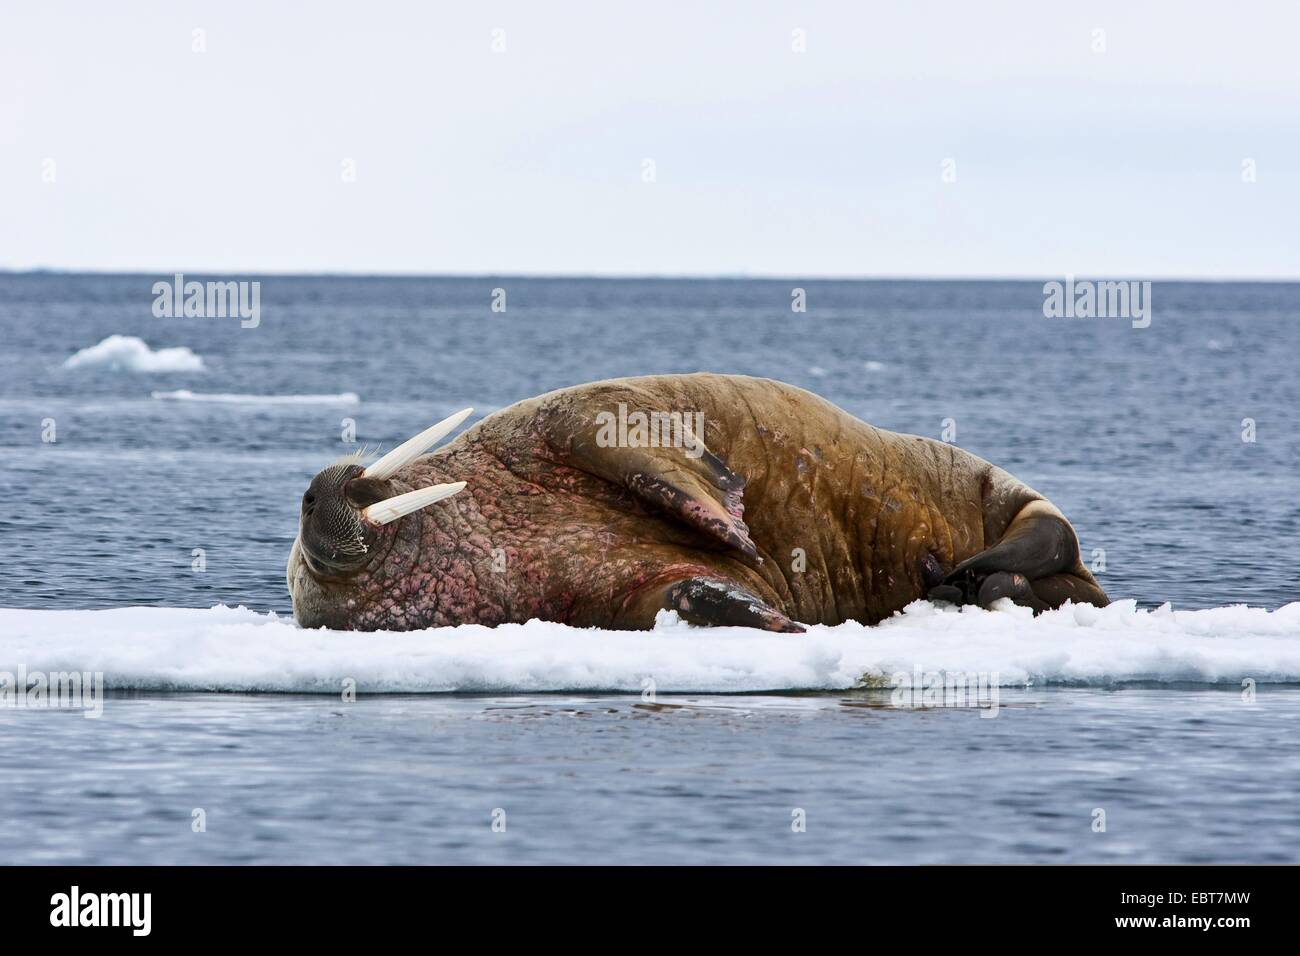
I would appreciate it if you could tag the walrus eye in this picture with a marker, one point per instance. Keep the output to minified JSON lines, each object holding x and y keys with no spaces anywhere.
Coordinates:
{"x":308,"y":504}
{"x":362,"y":492}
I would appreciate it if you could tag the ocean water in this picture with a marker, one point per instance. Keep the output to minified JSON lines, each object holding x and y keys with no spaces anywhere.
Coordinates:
{"x":1185,"y":776}
{"x":203,"y":435}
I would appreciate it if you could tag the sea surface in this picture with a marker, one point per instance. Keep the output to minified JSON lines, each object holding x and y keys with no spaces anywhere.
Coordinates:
{"x":1186,"y":776}
{"x":174,"y":477}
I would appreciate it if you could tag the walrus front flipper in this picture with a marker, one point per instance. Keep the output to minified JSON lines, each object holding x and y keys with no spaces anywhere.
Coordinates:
{"x":720,"y":603}
{"x":690,"y":482}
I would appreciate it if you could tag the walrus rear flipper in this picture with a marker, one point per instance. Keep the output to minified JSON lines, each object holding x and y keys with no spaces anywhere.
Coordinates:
{"x":690,"y":483}
{"x":1036,"y":563}
{"x":1039,"y":542}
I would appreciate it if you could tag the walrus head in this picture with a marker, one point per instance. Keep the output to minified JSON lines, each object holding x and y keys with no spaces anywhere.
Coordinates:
{"x":346,"y":505}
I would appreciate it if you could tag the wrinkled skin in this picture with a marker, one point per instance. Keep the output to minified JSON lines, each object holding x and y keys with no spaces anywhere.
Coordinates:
{"x":797,"y":512}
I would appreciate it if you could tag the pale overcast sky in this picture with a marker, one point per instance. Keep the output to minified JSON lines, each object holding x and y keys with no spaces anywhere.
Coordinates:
{"x":767,"y":161}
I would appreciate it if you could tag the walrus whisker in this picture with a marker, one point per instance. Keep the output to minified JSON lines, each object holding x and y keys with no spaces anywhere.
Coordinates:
{"x":413,"y":448}
{"x":390,"y":509}
{"x":355,"y":457}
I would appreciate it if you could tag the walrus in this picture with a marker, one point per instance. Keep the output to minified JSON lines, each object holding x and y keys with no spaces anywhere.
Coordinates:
{"x":730,"y":500}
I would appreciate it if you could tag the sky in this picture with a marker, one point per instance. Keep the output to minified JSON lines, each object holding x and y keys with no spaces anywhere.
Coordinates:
{"x":1137,"y":139}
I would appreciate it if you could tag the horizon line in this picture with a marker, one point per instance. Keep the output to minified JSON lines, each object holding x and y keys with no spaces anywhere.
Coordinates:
{"x":660,"y":276}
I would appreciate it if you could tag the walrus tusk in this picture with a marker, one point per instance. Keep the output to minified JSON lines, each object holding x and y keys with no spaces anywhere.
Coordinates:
{"x":390,"y":509}
{"x":413,"y":448}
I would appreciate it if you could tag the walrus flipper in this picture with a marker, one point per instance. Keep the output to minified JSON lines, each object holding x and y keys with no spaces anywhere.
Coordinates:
{"x":713,"y":508}
{"x":721,"y":603}
{"x":690,"y":483}
{"x":1036,"y":563}
{"x":1039,"y":542}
